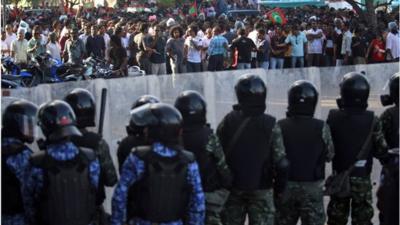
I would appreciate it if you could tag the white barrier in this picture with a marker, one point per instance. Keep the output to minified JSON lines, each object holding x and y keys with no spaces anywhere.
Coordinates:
{"x":217,"y":88}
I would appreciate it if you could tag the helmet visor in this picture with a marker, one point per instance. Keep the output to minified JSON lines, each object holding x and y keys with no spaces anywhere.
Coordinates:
{"x":27,"y":126}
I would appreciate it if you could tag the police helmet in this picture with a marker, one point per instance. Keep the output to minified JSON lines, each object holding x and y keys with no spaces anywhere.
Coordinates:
{"x":82,"y":102}
{"x":393,"y":97}
{"x":19,"y":120}
{"x":192,"y":106}
{"x":162,"y":120}
{"x":57,"y":120}
{"x":302,"y":98}
{"x":354,"y":91}
{"x":251,"y":90}
{"x":133,"y":128}
{"x":144,"y":99}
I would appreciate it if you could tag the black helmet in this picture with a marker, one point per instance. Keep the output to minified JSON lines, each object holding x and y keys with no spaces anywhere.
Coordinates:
{"x":57,"y":120}
{"x":133,"y":128}
{"x":354,"y":91}
{"x":192,"y":107}
{"x":144,"y":99}
{"x":162,"y":120}
{"x":82,"y":102}
{"x":302,"y":98}
{"x":19,"y":120}
{"x":393,"y":97}
{"x":251,"y":90}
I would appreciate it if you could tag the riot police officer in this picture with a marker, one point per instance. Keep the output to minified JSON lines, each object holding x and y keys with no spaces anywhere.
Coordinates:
{"x":351,"y":126}
{"x":82,"y":102}
{"x":18,"y":128}
{"x":200,"y":139}
{"x":308,"y":145}
{"x":135,"y":133}
{"x":388,"y":191}
{"x":62,"y":184}
{"x":165,"y":177}
{"x":253,"y":146}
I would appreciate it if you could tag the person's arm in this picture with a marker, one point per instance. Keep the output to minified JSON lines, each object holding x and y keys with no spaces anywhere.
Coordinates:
{"x":329,"y":150}
{"x":215,"y":148}
{"x":389,"y":46}
{"x":281,"y":164}
{"x":185,"y":51}
{"x":380,"y":150}
{"x":12,"y":49}
{"x":369,"y":50}
{"x":197,"y":206}
{"x":31,"y":192}
{"x":132,"y":170}
{"x":32,"y":47}
{"x":108,"y":171}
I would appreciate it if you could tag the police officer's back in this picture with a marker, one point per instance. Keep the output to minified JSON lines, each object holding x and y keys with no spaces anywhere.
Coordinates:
{"x":134,"y":133}
{"x":18,"y":125}
{"x":200,"y":139}
{"x":82,"y":102}
{"x":165,"y":177}
{"x":62,"y":184}
{"x":254,"y":155}
{"x":308,"y":145}
{"x":388,"y":190}
{"x":350,"y":126}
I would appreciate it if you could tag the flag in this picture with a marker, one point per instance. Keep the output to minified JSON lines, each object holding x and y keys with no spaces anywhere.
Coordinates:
{"x":193,"y":9}
{"x":277,"y":16}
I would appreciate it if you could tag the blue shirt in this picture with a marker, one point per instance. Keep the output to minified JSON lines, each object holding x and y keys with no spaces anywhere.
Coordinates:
{"x":18,"y":165}
{"x":216,"y":46}
{"x":297,"y":43}
{"x":133,"y":170}
{"x":34,"y":180}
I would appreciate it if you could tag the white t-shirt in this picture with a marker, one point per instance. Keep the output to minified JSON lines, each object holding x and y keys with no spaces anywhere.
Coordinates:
{"x":10,"y":39}
{"x":107,"y":42}
{"x":54,"y":49}
{"x":392,"y":43}
{"x":21,"y":51}
{"x":194,"y":55}
{"x":83,"y":37}
{"x":125,"y":43}
{"x":4,"y":47}
{"x":206,"y":43}
{"x":315,"y":46}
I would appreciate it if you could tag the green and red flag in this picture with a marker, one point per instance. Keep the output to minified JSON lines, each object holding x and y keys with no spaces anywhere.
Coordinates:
{"x":193,"y":9}
{"x":277,"y":16}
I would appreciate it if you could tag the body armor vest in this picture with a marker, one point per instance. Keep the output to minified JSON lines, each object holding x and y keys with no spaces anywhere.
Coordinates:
{"x":250,"y":159}
{"x":304,"y":147}
{"x":67,"y":197}
{"x":11,"y":197}
{"x":195,"y":140}
{"x":162,"y":195}
{"x":349,"y":132}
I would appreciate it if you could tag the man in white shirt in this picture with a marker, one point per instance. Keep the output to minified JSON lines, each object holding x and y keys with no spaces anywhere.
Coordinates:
{"x":346,"y":43}
{"x":192,"y":51}
{"x":19,"y":48}
{"x":10,"y":37}
{"x":86,"y":34}
{"x":315,"y":37}
{"x":393,"y":43}
{"x":206,"y":43}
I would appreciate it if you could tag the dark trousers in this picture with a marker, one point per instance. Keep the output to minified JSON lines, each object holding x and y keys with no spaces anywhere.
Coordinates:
{"x":193,"y":67}
{"x":216,"y":63}
{"x":313,"y":60}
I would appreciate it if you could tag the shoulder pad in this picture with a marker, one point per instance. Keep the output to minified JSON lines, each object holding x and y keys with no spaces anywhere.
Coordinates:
{"x":187,"y":156}
{"x":37,"y":158}
{"x":142,"y":151}
{"x":371,"y":113}
{"x":270,"y":119}
{"x":88,"y":153}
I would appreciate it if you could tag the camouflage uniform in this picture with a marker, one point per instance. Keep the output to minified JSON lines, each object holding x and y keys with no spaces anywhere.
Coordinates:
{"x":304,"y":200}
{"x":361,"y":190}
{"x":259,"y":204}
{"x":215,"y":200}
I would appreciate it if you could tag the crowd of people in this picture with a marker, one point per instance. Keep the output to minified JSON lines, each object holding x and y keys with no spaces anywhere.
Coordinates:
{"x":174,"y":169}
{"x":173,"y":41}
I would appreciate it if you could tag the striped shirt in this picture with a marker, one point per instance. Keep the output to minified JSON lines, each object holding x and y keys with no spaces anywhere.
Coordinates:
{"x":216,"y":46}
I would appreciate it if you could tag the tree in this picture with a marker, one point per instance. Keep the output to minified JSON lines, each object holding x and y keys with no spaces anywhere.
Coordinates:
{"x":71,"y":3}
{"x":368,"y":15}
